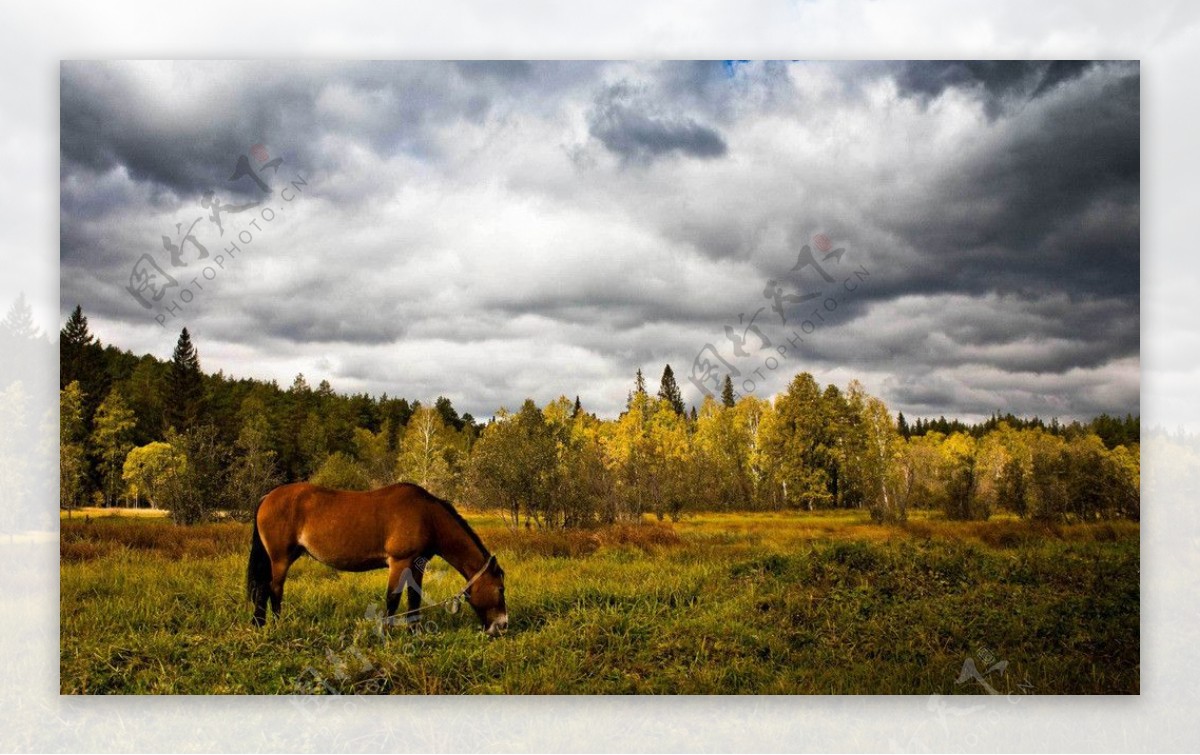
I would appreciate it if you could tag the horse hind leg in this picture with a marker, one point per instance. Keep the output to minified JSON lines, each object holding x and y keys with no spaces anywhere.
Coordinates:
{"x":280,"y":563}
{"x":260,"y":609}
{"x":258,"y":577}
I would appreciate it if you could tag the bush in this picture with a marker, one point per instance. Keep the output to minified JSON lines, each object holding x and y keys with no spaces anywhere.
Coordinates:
{"x":199,"y":485}
{"x":341,"y":472}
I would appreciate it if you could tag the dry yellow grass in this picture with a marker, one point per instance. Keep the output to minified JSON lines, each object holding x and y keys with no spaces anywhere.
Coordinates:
{"x":769,"y":603}
{"x":93,"y":512}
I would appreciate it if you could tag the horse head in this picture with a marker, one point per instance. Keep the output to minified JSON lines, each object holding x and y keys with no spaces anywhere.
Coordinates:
{"x":486,"y":596}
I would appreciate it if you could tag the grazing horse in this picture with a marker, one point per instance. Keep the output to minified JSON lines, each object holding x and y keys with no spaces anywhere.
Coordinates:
{"x":399,"y":528}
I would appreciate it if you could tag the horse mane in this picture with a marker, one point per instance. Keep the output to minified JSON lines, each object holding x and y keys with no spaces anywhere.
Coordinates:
{"x":457,"y":517}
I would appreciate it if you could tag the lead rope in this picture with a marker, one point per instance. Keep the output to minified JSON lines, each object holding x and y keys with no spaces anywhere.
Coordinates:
{"x":456,"y":599}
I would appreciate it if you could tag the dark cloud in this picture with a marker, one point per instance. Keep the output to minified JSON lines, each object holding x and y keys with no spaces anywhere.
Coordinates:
{"x":638,"y":131}
{"x":464,"y":233}
{"x":504,"y":70}
{"x":184,"y":127}
{"x":999,"y":83}
{"x":183,"y":142}
{"x":1048,"y":204}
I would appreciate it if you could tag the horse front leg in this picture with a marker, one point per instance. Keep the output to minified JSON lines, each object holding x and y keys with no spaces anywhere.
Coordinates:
{"x":413,"y":588}
{"x":399,"y":575}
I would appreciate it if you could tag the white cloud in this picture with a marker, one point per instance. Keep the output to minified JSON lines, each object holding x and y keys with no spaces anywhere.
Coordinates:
{"x":468,"y":230}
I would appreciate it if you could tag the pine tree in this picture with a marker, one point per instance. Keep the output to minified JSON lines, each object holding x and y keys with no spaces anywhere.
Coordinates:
{"x":727,"y":393}
{"x":449,"y":414}
{"x":74,"y":345}
{"x":578,"y":408}
{"x":185,"y":385}
{"x":23,"y":346}
{"x":75,"y":332}
{"x":902,"y":426}
{"x":18,"y":323}
{"x":81,"y":358}
{"x":668,"y":391}
{"x":639,"y":391}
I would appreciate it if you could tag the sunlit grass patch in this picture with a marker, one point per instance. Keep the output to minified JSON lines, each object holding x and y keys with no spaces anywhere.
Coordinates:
{"x":795,"y":602}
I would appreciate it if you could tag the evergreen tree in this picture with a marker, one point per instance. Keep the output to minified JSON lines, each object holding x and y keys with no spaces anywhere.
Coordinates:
{"x":73,"y":339}
{"x":638,"y":394}
{"x":81,"y":358}
{"x":324,"y":392}
{"x":668,"y":390}
{"x":448,"y":413}
{"x":902,"y":426}
{"x":727,"y":398}
{"x":578,"y":408}
{"x":185,"y":385}
{"x":18,"y":323}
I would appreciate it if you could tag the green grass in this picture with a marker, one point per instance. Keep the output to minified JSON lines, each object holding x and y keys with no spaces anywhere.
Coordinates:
{"x":721,"y":603}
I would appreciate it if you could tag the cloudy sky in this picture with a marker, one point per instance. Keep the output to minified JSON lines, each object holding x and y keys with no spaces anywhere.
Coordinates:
{"x":497,"y":231}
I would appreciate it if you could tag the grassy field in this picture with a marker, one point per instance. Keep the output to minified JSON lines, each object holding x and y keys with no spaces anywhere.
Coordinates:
{"x":718,"y":603}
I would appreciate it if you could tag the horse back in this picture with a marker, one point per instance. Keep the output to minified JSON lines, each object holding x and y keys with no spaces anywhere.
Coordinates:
{"x":348,"y":530}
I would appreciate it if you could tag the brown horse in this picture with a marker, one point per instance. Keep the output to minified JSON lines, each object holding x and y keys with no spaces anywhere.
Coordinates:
{"x":399,"y":528}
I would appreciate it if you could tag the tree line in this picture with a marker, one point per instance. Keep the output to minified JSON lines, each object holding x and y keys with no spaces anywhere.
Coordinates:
{"x":142,"y":431}
{"x":28,"y":416}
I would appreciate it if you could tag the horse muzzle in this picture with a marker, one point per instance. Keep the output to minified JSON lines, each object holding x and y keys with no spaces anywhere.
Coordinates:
{"x":499,"y":626}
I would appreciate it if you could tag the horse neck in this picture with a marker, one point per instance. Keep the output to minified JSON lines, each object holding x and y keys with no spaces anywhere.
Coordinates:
{"x":457,"y":546}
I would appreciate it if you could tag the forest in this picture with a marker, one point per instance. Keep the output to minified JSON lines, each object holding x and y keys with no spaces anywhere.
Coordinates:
{"x":138,"y":431}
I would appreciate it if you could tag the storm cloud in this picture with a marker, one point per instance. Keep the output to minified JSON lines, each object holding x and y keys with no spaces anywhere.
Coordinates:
{"x":493,"y":231}
{"x":636,"y":131}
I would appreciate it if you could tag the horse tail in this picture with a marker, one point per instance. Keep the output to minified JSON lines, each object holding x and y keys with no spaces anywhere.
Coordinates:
{"x":258,"y":569}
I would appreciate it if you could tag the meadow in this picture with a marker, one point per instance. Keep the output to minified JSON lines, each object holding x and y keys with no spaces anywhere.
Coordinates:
{"x":770,"y":603}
